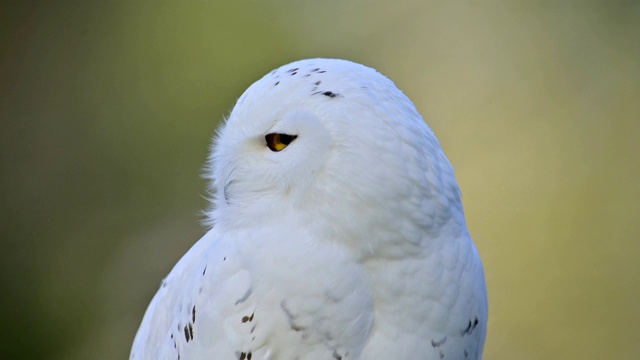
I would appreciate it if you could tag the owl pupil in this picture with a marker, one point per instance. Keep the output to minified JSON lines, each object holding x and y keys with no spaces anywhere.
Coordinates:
{"x":286,"y":139}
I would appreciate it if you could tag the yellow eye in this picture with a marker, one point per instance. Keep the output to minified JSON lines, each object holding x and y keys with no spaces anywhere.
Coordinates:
{"x":277,"y":142}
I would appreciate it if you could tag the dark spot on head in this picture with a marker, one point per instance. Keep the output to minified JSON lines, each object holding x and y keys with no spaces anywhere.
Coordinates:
{"x":225,"y":258}
{"x":204,"y":271}
{"x":276,"y":84}
{"x":316,"y":69}
{"x":293,"y":73}
{"x":317,"y":83}
{"x":292,"y":70}
{"x":186,"y":333}
{"x":322,"y":71}
{"x":329,"y":94}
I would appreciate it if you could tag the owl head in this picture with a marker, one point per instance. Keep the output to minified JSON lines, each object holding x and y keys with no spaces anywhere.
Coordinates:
{"x":333,"y":140}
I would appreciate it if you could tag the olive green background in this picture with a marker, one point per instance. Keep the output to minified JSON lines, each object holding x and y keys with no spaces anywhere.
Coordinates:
{"x":107,"y":109}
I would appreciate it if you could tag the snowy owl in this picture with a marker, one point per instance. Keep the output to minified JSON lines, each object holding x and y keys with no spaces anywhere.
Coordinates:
{"x":337,"y":233}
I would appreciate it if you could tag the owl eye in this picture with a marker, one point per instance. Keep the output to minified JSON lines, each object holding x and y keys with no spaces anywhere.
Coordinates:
{"x":277,"y":142}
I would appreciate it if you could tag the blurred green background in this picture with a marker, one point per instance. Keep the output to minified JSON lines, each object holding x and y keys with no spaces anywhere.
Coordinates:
{"x":108,"y":107}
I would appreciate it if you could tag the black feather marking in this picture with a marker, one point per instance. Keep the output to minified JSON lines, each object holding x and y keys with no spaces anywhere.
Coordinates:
{"x":470,"y":327}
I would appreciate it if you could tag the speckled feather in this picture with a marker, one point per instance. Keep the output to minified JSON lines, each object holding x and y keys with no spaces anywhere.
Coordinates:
{"x":350,"y":243}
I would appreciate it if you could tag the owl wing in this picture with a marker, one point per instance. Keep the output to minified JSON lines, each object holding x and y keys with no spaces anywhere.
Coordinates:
{"x":237,"y":300}
{"x":151,"y":339}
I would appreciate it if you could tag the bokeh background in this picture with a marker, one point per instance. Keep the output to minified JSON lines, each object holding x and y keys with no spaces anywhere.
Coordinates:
{"x":107,"y":109}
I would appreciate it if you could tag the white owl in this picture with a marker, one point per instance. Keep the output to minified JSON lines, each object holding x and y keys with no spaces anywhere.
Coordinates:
{"x":337,"y":233}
